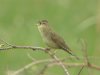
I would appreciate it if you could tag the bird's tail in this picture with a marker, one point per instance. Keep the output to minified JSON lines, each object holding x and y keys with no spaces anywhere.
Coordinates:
{"x":70,"y":52}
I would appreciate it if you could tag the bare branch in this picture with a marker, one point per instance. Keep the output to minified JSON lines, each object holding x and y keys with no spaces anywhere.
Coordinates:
{"x":44,"y":69}
{"x":80,"y":70}
{"x":23,"y":47}
{"x":29,"y":65}
{"x":84,"y":48}
{"x":54,"y":61}
{"x":58,"y":61}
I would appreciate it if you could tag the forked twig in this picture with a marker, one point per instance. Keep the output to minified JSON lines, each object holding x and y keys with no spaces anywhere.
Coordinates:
{"x":58,"y":61}
{"x":54,"y":61}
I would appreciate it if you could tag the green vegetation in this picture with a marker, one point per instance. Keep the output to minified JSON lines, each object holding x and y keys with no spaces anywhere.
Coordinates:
{"x":72,"y":19}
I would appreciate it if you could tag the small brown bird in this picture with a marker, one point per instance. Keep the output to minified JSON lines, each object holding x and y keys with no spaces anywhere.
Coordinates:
{"x":52,"y":39}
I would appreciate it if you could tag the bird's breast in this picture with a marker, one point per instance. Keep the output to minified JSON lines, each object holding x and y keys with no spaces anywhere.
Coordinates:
{"x":46,"y":35}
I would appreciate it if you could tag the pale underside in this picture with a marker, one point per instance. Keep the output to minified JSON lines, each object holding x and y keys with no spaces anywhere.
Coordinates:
{"x":52,"y":39}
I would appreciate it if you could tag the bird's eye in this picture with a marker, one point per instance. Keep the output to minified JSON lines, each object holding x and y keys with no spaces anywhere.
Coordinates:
{"x":43,"y":23}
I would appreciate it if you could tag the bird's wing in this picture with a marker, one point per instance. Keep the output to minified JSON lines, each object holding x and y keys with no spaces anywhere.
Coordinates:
{"x":59,"y":41}
{"x":61,"y":44}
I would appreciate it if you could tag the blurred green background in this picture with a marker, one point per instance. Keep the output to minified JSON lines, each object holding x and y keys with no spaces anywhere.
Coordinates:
{"x":72,"y":19}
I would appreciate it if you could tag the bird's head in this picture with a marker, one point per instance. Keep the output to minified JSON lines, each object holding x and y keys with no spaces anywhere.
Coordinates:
{"x":42,"y":22}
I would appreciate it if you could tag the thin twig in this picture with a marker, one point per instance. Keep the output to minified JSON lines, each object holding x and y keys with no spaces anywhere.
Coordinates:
{"x":84,"y":48}
{"x":29,"y":65}
{"x":5,"y":42}
{"x":80,"y":70}
{"x":58,"y":61}
{"x":30,"y":57}
{"x":55,"y":60}
{"x":54,"y":63}
{"x":43,"y":70}
{"x":92,"y":66}
{"x":23,"y":47}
